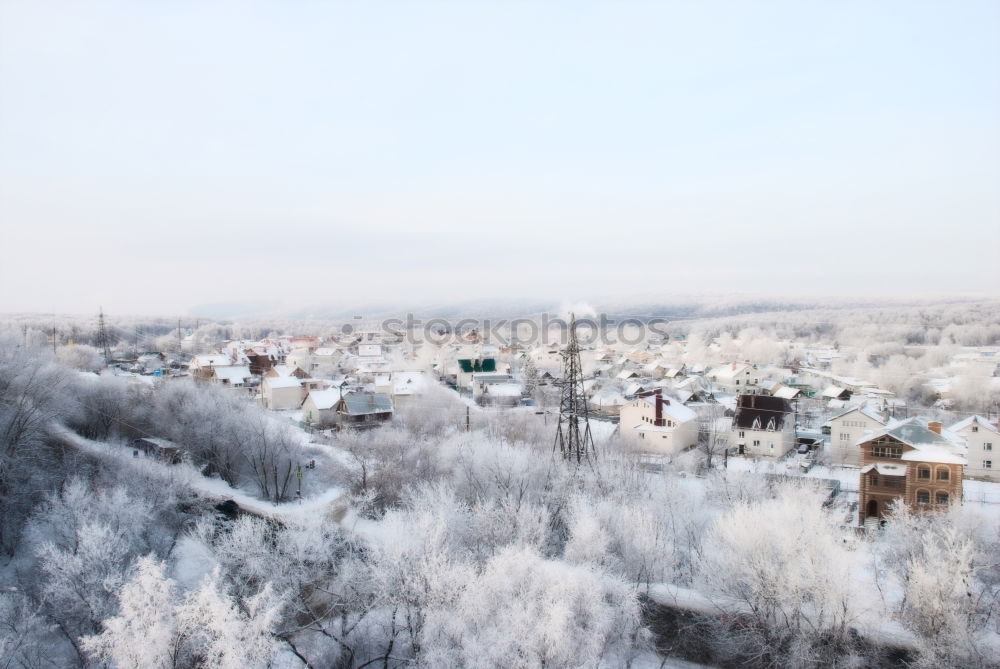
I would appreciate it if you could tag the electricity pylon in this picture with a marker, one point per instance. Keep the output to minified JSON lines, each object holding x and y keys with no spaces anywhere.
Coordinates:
{"x":572,"y":442}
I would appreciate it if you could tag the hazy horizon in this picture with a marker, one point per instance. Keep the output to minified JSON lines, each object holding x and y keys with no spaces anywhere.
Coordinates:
{"x":159,"y":159}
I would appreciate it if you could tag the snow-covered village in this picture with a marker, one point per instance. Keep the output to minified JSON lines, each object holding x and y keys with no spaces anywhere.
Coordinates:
{"x":336,"y":494}
{"x":499,"y":335}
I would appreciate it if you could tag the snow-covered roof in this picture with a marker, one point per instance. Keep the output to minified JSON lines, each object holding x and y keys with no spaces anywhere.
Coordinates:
{"x":408,"y":383}
{"x":673,"y":408}
{"x":787,"y":392}
{"x":282,"y":381}
{"x":504,"y":389}
{"x":927,"y":445}
{"x":210,"y":360}
{"x":833,"y":392}
{"x":231,"y":373}
{"x":729,"y":371}
{"x":885,"y":468}
{"x":865,"y":410}
{"x":978,"y":421}
{"x":944,"y":455}
{"x":627,"y":374}
{"x":324,"y":399}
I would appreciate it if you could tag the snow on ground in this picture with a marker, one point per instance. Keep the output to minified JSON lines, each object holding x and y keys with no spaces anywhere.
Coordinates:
{"x":331,"y":501}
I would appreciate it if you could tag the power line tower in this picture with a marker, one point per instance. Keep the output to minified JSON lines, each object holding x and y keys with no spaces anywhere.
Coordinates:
{"x":573,"y":444}
{"x":102,"y":338}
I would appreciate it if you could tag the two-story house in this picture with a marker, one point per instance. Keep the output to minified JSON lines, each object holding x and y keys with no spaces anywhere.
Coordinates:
{"x":763,"y":426}
{"x":981,"y":438}
{"x":656,"y":423}
{"x":908,"y":461}
{"x":736,"y":377}
{"x":846,"y":430}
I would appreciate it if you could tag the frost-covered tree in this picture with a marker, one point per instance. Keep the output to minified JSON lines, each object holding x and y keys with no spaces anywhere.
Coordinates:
{"x":525,"y":611}
{"x":779,"y":566}
{"x":80,"y":356}
{"x":145,"y":633}
{"x":158,"y":627}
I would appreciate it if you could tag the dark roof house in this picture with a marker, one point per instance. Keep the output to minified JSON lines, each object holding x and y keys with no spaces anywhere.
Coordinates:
{"x":761,"y":412}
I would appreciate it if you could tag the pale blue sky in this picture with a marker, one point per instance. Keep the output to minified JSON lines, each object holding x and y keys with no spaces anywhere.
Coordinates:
{"x":159,"y":155}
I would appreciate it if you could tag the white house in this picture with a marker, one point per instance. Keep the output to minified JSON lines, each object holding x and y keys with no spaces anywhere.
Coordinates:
{"x":320,"y":406}
{"x":736,"y":377}
{"x":763,"y":426}
{"x":846,"y":430}
{"x":655,"y":423}
{"x":282,"y":392}
{"x":981,"y":438}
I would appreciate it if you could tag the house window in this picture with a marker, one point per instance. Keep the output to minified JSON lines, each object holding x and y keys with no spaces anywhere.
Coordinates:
{"x":987,"y":464}
{"x":941,"y":498}
{"x":894,"y":482}
{"x":942,"y":474}
{"x":924,"y":473}
{"x":873,"y":480}
{"x":987,"y":446}
{"x":923,"y":497}
{"x":756,"y":443}
{"x":975,"y":428}
{"x":770,"y":445}
{"x":742,"y":434}
{"x":845,"y":436}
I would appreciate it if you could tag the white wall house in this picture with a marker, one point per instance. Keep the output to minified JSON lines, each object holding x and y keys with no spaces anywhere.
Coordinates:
{"x":736,"y":377}
{"x":846,"y":430}
{"x":763,"y":426}
{"x":982,"y":442}
{"x":658,"y":424}
{"x":282,"y":392}
{"x":320,"y":406}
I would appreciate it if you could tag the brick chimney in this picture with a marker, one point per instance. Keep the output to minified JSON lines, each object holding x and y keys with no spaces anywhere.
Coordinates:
{"x":659,"y":410}
{"x":934,"y":426}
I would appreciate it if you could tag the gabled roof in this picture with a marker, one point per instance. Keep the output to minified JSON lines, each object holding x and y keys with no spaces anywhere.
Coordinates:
{"x":729,"y":371}
{"x":787,"y":392}
{"x":361,"y":404}
{"x":865,"y":410}
{"x":325,"y":399}
{"x":926,"y":445}
{"x":885,"y":468}
{"x":970,"y":421}
{"x":210,"y":360}
{"x":232,"y":372}
{"x":835,"y":392}
{"x":672,"y":407}
{"x":761,"y":412}
{"x":282,"y":381}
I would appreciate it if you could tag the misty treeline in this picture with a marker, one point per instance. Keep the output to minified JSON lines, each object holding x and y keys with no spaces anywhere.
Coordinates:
{"x":460,"y":549}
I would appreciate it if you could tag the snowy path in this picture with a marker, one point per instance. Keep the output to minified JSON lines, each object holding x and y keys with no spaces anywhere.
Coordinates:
{"x":331,"y":501}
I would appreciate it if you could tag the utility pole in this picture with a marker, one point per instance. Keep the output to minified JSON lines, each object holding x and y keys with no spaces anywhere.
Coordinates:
{"x":466,"y":417}
{"x":179,"y":344}
{"x":573,"y":405}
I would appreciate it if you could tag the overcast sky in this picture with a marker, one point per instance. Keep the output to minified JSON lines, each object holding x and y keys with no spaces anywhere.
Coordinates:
{"x":157,"y":156}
